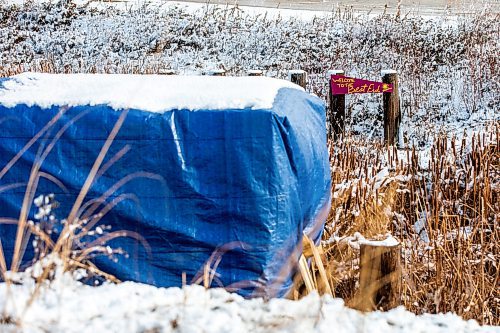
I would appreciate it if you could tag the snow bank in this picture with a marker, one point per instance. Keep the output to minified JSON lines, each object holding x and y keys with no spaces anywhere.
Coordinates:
{"x":389,"y":241}
{"x":68,"y":306}
{"x":155,"y":93}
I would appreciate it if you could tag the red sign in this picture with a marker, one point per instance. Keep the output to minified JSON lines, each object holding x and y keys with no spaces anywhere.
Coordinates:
{"x":342,"y":85}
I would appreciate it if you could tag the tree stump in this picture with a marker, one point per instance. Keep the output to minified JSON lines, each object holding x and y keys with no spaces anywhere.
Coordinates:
{"x":379,"y":276}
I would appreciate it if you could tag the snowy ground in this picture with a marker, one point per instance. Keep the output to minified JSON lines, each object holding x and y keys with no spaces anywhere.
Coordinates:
{"x":421,"y":7}
{"x":68,"y":306}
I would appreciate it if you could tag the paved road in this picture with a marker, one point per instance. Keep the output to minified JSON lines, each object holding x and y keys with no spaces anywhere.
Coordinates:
{"x":415,"y":6}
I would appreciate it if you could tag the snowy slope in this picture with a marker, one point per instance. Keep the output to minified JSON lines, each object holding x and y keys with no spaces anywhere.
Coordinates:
{"x":68,"y":306}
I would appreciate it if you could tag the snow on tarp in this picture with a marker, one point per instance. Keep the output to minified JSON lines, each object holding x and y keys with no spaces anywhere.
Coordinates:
{"x":233,"y":165}
{"x":155,"y":93}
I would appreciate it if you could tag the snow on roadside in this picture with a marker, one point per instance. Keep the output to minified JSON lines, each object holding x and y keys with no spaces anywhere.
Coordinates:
{"x":69,"y":306}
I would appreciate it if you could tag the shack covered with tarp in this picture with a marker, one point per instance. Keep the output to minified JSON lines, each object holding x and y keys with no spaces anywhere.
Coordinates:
{"x":218,"y":175}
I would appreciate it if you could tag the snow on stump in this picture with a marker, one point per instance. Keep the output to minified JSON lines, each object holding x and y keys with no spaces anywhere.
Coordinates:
{"x":229,"y":172}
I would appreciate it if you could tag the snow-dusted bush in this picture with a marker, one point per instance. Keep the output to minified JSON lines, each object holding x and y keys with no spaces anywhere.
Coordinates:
{"x":448,"y":65}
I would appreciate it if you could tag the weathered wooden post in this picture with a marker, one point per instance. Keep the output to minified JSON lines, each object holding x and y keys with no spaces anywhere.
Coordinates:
{"x":255,"y":72}
{"x":392,"y":111}
{"x":336,"y":115}
{"x":298,"y":76}
{"x":379,"y":275}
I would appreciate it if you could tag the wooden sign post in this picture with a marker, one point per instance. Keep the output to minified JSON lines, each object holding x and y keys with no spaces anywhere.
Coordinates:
{"x":392,"y":112}
{"x":341,"y":85}
{"x":298,"y":76}
{"x":336,"y":115}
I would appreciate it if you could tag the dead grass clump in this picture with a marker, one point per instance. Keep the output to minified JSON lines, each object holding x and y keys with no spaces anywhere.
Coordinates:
{"x":80,"y":236}
{"x":445,"y":212}
{"x":452,"y":264}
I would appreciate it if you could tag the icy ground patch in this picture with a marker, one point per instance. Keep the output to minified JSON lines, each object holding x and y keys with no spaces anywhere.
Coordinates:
{"x":68,"y":306}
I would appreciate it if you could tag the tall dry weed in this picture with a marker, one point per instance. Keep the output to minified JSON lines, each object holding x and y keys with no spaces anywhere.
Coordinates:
{"x":444,"y":211}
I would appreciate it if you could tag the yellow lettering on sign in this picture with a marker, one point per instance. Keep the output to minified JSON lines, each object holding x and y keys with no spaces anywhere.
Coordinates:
{"x":343,"y":80}
{"x":371,"y":88}
{"x":350,"y":89}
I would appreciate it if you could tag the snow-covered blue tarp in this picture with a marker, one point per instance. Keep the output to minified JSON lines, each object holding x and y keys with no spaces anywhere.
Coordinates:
{"x":227,"y":170}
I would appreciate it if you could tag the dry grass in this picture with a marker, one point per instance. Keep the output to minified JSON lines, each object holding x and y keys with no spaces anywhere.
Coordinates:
{"x":67,"y":248}
{"x":445,"y":214}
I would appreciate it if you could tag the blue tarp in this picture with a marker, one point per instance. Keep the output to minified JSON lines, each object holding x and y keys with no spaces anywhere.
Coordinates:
{"x":244,"y":183}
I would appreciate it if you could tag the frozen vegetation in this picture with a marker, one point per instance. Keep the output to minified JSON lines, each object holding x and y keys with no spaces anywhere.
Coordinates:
{"x":448,"y":65}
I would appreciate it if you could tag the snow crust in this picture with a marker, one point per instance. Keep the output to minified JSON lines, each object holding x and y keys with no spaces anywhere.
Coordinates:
{"x":296,"y":71}
{"x":355,"y":241}
{"x":69,"y":306}
{"x":389,"y":241}
{"x":154,"y":93}
{"x":334,"y":72}
{"x":387,"y":71}
{"x":254,"y":72}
